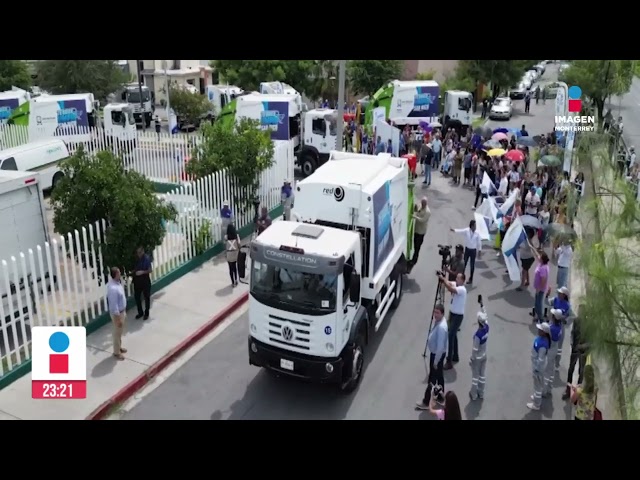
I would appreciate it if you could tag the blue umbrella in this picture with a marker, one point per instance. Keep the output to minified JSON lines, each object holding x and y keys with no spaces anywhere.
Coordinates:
{"x":501,"y":130}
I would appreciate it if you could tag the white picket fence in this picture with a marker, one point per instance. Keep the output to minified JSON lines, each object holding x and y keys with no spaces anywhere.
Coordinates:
{"x":159,"y":157}
{"x":49,"y":286}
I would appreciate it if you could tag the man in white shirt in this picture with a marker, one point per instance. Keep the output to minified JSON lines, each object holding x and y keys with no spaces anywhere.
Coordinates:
{"x":565,"y":255}
{"x":532,"y":202}
{"x":437,"y":343}
{"x":456,"y":315}
{"x":472,"y":246}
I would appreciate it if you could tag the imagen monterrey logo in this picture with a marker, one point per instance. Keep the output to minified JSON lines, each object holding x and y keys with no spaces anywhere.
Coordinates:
{"x":576,"y":123}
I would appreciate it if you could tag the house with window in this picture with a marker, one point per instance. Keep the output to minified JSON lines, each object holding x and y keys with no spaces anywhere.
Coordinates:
{"x":158,"y":74}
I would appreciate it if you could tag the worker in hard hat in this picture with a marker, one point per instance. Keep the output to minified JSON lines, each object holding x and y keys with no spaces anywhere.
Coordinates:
{"x":556,"y":331}
{"x":541,"y":345}
{"x":286,"y":195}
{"x":479,"y":356}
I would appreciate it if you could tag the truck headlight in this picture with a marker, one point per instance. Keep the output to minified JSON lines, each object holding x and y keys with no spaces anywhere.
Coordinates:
{"x":253,"y":328}
{"x":329,"y":347}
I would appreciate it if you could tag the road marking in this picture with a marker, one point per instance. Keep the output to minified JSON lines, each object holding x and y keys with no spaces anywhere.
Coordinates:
{"x":159,"y":379}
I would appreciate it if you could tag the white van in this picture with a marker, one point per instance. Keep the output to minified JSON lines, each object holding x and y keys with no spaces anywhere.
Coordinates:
{"x":43,"y":157}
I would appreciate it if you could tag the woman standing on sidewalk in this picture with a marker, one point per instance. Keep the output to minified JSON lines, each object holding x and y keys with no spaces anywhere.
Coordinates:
{"x":232,"y":244}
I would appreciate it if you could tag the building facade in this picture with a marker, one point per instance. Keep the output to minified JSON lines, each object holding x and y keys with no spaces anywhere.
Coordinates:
{"x":441,"y":68}
{"x":157,"y":74}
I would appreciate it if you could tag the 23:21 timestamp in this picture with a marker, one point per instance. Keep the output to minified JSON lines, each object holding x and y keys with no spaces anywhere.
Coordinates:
{"x":58,"y":389}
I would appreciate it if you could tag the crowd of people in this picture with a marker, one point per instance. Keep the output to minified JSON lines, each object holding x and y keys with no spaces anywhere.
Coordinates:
{"x":545,"y":197}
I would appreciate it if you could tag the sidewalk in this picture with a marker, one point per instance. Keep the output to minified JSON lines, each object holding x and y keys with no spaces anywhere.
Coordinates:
{"x":181,"y":314}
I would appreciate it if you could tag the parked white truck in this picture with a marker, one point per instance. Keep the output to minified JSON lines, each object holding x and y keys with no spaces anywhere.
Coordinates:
{"x":142,"y":107}
{"x":321,"y":286}
{"x":313,"y":132}
{"x":24,"y":227}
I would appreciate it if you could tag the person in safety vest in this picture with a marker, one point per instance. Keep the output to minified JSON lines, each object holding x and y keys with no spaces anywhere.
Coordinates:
{"x":541,"y":345}
{"x":556,"y":331}
{"x":479,"y":356}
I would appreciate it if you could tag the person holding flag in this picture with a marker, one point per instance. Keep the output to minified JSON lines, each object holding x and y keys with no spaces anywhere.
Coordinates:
{"x":478,"y":360}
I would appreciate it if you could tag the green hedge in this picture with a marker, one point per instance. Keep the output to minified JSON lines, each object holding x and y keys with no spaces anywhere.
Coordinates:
{"x":101,"y":320}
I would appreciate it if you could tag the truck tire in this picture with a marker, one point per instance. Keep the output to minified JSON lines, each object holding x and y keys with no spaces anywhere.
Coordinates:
{"x":398,"y":291}
{"x":308,"y":164}
{"x":357,"y":363}
{"x":56,"y":178}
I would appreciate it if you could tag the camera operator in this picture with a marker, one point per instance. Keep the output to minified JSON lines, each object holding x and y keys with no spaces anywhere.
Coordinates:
{"x":456,"y":314}
{"x":472,"y":247}
{"x":456,"y":264}
{"x":437,"y":346}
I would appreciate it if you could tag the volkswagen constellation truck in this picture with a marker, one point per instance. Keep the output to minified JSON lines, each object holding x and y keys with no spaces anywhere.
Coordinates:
{"x":321,"y":286}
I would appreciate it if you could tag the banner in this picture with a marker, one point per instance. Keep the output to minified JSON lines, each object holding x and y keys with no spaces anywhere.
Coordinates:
{"x":481,"y":226}
{"x":489,"y":211}
{"x":487,"y":185}
{"x":507,"y":207}
{"x":512,"y":240}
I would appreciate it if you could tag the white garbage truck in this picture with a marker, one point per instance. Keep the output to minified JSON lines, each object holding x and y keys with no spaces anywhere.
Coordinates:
{"x":322,"y":285}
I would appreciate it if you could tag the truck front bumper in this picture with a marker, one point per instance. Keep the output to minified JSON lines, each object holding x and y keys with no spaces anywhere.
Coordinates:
{"x":305,"y":367}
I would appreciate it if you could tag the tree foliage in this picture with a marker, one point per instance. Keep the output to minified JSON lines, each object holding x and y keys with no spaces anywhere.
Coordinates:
{"x":428,"y":75}
{"x":98,"y":187}
{"x":599,"y":79}
{"x":14,"y":73}
{"x":243,"y":152}
{"x":323,"y":81}
{"x":189,"y":106}
{"x":500,"y":74}
{"x":249,"y":74}
{"x":367,"y":76}
{"x":610,"y":259}
{"x":100,"y":77}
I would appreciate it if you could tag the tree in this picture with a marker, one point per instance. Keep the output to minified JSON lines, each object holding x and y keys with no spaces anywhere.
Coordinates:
{"x":500,"y":74}
{"x":599,"y":79}
{"x":610,"y":259}
{"x":323,"y":81}
{"x":98,"y":187}
{"x":367,"y":76}
{"x":190,"y":107}
{"x":14,"y":73}
{"x":249,"y":74}
{"x":428,"y":75}
{"x":100,"y":77}
{"x":243,"y":152}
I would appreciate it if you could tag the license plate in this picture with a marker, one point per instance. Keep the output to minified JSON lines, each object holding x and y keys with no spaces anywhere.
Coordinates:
{"x":286,"y":364}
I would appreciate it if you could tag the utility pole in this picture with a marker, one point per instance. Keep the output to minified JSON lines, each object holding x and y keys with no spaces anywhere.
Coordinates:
{"x":140,"y":93}
{"x":341,"y":94}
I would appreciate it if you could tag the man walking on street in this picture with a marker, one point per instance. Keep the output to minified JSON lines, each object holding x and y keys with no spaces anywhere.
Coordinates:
{"x":456,"y":315}
{"x":421,"y":217}
{"x":579,"y":351}
{"x":437,"y":346}
{"x":426,"y":159}
{"x":142,"y":283}
{"x":527,"y":101}
{"x":472,"y":246}
{"x":117,"y":304}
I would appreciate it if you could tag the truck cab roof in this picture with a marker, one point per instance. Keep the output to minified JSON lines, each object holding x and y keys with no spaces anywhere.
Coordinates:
{"x":256,"y":97}
{"x":321,"y":241}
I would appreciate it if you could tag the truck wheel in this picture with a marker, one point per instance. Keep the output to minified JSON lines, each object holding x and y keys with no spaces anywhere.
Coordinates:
{"x":308,"y":165}
{"x":56,"y":178}
{"x":398,"y":292}
{"x":357,"y":364}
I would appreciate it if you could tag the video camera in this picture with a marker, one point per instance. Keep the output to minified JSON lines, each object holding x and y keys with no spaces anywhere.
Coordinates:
{"x":444,"y":251}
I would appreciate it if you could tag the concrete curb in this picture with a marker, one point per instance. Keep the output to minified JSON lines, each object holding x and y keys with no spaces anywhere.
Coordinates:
{"x":139,"y":382}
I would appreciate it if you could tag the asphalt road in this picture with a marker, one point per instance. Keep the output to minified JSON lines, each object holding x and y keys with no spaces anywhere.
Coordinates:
{"x":218,"y":383}
{"x":540,"y":117}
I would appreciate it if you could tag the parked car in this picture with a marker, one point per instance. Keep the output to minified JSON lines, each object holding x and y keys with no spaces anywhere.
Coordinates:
{"x":552,"y":89}
{"x":501,"y":109}
{"x":533,"y":73}
{"x":541,"y":68}
{"x":518,"y":92}
{"x":526,"y":82}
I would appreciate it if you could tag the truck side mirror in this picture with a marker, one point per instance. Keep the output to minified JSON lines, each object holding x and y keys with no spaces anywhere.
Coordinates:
{"x":354,"y":288}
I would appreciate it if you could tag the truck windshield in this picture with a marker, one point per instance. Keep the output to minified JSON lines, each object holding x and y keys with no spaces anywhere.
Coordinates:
{"x":133,"y":96}
{"x":290,"y":290}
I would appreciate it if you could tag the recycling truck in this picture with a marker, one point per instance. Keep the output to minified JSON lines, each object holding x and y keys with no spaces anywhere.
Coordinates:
{"x":11,"y":100}
{"x":142,"y":106}
{"x":73,"y":117}
{"x":322,"y":285}
{"x":412,"y":102}
{"x":220,"y":96}
{"x":313,"y":132}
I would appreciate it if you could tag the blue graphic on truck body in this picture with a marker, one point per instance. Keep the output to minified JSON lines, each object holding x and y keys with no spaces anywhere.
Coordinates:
{"x":382,"y":210}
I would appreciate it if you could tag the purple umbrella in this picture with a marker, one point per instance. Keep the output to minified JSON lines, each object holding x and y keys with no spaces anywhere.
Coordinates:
{"x":427,"y":129}
{"x":424,"y":125}
{"x":501,"y":130}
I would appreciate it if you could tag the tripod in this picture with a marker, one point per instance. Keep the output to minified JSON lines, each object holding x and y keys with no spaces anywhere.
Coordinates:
{"x":445,"y":253}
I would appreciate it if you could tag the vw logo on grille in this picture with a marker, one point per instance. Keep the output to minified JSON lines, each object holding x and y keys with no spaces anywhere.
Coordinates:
{"x":287,"y":333}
